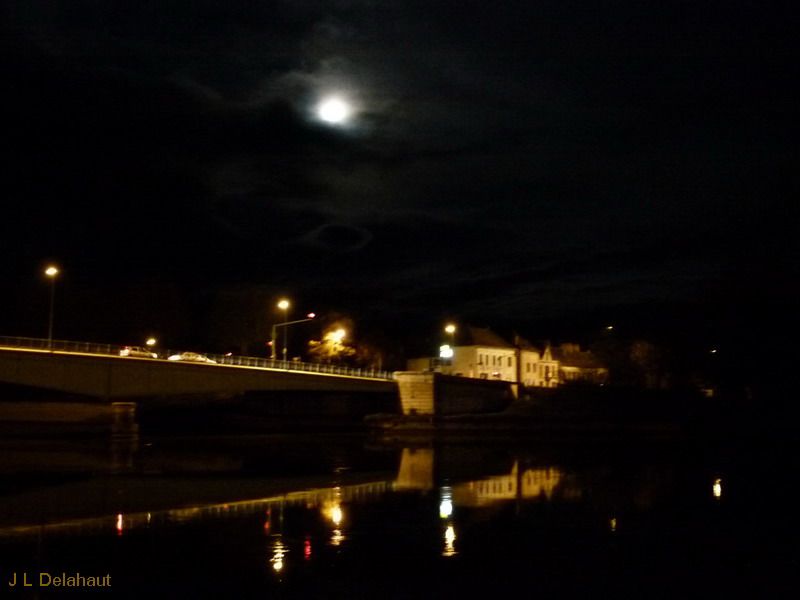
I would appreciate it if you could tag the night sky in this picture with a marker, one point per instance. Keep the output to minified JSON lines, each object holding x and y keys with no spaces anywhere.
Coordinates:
{"x":550,"y":166}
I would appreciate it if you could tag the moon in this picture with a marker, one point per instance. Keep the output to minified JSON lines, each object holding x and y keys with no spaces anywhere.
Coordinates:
{"x":334,"y":111}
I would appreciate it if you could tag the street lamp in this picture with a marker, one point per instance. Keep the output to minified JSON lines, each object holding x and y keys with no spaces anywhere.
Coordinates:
{"x":284,"y":305}
{"x":449,"y":329}
{"x":51,"y":272}
{"x":285,"y":325}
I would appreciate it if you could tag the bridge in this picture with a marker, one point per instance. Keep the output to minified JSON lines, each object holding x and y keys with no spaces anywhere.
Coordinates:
{"x":100,"y":371}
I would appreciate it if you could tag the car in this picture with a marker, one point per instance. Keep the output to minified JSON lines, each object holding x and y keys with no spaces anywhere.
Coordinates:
{"x":192,"y":357}
{"x":137,"y":352}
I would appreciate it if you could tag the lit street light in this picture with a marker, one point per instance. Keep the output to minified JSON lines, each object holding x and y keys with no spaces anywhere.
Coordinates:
{"x":447,"y":351}
{"x":51,"y":272}
{"x":284,"y":306}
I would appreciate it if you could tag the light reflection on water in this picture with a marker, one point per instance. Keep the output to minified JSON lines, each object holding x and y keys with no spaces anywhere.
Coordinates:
{"x":452,"y":504}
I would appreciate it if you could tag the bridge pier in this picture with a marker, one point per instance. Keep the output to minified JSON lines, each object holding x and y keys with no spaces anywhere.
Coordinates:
{"x":435,"y":394}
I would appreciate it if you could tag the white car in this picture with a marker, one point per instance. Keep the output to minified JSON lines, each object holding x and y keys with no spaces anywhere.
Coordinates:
{"x":192,"y":357}
{"x":137,"y":352}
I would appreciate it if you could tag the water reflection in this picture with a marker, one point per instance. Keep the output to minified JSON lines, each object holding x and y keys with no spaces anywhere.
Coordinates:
{"x":328,"y":501}
{"x":278,"y":552}
{"x":449,"y":541}
{"x":416,"y":469}
{"x":446,"y":503}
{"x":337,"y":537}
{"x":533,"y":483}
{"x":494,"y":507}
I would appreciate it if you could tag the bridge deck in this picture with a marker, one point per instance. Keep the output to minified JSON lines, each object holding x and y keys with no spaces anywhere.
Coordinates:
{"x":98,"y":370}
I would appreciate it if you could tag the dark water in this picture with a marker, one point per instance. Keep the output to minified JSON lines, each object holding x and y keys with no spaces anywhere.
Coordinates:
{"x":345,"y":517}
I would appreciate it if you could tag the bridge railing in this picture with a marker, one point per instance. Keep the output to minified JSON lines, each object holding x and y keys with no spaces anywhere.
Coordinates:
{"x":293,"y":365}
{"x":60,"y":345}
{"x":222,"y":359}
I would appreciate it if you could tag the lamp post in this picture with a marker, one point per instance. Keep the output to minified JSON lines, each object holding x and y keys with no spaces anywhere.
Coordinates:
{"x":309,"y":317}
{"x":284,"y":306}
{"x":51,"y":272}
{"x":450,"y":329}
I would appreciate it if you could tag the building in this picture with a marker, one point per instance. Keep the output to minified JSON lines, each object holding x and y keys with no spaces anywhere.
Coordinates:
{"x":538,"y":368}
{"x":576,"y":365}
{"x":482,"y":354}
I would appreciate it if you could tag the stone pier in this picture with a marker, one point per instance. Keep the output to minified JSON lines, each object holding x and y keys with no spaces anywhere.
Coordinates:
{"x":431,"y":393}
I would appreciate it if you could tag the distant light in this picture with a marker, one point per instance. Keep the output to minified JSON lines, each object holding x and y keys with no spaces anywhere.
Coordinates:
{"x":716,"y":489}
{"x":610,"y":327}
{"x":283,"y":304}
{"x":51,"y":271}
{"x":445,"y":351}
{"x":713,"y":351}
{"x":311,"y":315}
{"x":333,"y":110}
{"x":450,"y":328}
{"x":151,"y":341}
{"x":612,"y":524}
{"x":119,"y":524}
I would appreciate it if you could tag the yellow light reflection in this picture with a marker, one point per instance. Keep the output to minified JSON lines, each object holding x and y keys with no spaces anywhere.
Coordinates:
{"x":279,"y":550}
{"x":333,"y":511}
{"x":337,"y":538}
{"x":612,"y":524}
{"x":716,"y":489}
{"x":449,"y":541}
{"x":446,"y":502}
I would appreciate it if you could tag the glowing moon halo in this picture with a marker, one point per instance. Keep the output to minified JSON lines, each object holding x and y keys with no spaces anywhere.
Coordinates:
{"x":333,"y":110}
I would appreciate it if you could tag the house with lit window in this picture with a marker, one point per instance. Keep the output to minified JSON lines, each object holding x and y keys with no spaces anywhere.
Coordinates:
{"x":482,"y":354}
{"x":538,"y":368}
{"x":576,"y":365}
{"x":479,"y":353}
